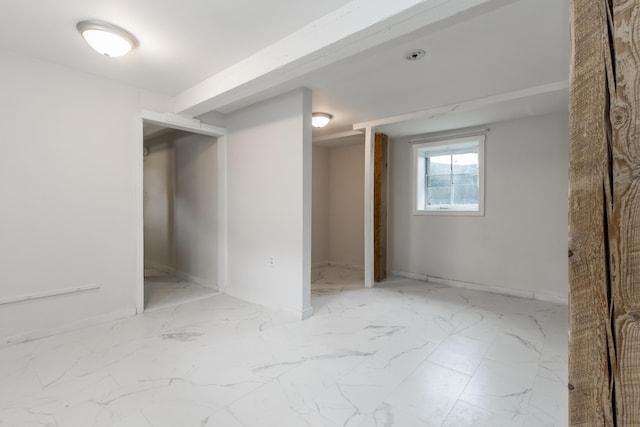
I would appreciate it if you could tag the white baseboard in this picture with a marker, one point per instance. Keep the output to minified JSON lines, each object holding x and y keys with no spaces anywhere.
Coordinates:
{"x":551,"y":297}
{"x":251,"y":297}
{"x":73,"y":326}
{"x":414,"y":276}
{"x":520,"y":293}
{"x":182,"y":275}
{"x":347,"y":266}
{"x":301,"y":314}
{"x":322,"y":264}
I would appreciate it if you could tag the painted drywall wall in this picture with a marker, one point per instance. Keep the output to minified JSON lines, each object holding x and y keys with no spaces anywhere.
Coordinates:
{"x":521,"y":242}
{"x":196,"y":218}
{"x":269,"y":157}
{"x":320,"y":216}
{"x":68,"y":186}
{"x":346,"y":205}
{"x":159,"y":183}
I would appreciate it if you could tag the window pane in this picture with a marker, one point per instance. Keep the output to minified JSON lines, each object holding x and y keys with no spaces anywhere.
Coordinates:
{"x":439,"y":195}
{"x":438,"y":161}
{"x":465,"y":194}
{"x":438,"y":180}
{"x":449,"y":175}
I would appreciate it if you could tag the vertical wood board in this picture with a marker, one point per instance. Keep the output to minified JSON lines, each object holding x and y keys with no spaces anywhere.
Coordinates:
{"x":380,"y":207}
{"x":589,"y":382}
{"x":604,"y":217}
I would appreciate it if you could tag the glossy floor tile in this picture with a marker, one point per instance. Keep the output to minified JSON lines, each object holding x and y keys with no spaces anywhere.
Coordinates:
{"x":404,"y":354}
{"x":163,"y":290}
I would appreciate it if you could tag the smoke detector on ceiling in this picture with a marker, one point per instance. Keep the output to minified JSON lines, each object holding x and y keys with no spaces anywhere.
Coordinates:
{"x":415,"y":54}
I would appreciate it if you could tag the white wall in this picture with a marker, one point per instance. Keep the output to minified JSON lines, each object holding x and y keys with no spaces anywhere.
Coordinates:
{"x":346,"y":205}
{"x":320,"y":216}
{"x":196,"y":209}
{"x":521,"y":242}
{"x":159,"y":183}
{"x":269,"y":202}
{"x":68,"y":190}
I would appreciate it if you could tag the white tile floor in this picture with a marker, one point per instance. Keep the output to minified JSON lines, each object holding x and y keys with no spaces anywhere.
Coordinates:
{"x":162,"y":290}
{"x":404,"y":354}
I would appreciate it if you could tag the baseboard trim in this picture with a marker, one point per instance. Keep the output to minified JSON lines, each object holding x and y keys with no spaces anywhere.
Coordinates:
{"x":520,"y":293}
{"x":347,"y":266}
{"x":413,"y":276}
{"x":250,"y":297}
{"x":551,"y":297}
{"x":306,"y":313}
{"x":68,"y":327}
{"x":182,"y":302}
{"x":183,"y":275}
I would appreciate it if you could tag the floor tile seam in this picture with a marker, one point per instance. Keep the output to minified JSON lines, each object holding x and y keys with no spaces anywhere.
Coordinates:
{"x":482,"y":357}
{"x":271,"y":380}
{"x":461,"y":400}
{"x":397,"y":384}
{"x":475,"y":371}
{"x":410,"y":374}
{"x":180,"y":303}
{"x":457,"y":398}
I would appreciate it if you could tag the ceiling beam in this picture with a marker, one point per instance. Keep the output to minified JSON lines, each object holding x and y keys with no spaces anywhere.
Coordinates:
{"x":353,"y":28}
{"x":473,"y":104}
{"x":339,"y":135}
{"x":176,"y":121}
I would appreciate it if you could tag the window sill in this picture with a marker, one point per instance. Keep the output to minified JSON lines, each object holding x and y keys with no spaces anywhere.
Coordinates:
{"x":448,"y":212}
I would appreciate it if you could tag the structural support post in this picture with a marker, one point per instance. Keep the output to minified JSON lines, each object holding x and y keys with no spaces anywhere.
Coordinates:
{"x":222,"y":213}
{"x":604,"y":214}
{"x":369,"y":151}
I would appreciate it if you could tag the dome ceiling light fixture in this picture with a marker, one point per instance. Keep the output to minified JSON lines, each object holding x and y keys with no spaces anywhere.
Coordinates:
{"x":107,"y":39}
{"x":320,"y":120}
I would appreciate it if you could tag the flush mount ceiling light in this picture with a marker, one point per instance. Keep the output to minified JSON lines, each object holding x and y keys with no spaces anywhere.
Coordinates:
{"x":320,"y":120}
{"x":107,"y":39}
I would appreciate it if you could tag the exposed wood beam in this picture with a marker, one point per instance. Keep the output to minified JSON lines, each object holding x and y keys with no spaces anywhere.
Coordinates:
{"x":604,"y":214}
{"x":473,"y":104}
{"x":353,"y":28}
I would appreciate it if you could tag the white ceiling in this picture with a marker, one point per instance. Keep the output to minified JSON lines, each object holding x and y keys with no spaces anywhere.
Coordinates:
{"x":181,"y":42}
{"x":503,"y":46}
{"x":522,"y":45}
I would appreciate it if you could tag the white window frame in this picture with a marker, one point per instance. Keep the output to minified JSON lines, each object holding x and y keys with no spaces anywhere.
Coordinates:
{"x":418,"y":177}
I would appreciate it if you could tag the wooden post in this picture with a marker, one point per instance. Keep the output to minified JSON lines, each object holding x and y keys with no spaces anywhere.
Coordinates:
{"x":380,"y":207}
{"x":604,"y":214}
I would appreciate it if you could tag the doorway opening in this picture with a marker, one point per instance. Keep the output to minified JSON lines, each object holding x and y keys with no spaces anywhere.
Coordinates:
{"x":179,"y":216}
{"x":338,"y":218}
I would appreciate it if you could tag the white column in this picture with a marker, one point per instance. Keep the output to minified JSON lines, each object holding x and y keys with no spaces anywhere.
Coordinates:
{"x":139,"y":157}
{"x":369,"y":146}
{"x":222,"y":212}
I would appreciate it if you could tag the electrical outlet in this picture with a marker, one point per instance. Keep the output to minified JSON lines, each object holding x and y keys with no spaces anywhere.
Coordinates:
{"x":272,"y":261}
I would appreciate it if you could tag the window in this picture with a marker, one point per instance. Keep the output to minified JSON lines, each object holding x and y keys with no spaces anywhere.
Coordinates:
{"x":449,"y":176}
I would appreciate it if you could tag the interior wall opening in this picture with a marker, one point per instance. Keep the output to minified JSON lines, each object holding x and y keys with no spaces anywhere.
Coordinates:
{"x":338,"y":218}
{"x":180,"y":216}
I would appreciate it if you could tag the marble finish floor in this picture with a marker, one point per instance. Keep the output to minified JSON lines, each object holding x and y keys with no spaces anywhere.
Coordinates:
{"x":404,"y":354}
{"x":162,"y":290}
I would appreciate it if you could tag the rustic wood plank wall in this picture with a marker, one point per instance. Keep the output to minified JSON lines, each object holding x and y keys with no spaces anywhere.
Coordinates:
{"x":604,"y":214}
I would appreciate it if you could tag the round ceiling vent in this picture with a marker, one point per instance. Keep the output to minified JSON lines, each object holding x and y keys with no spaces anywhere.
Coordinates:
{"x":415,"y":54}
